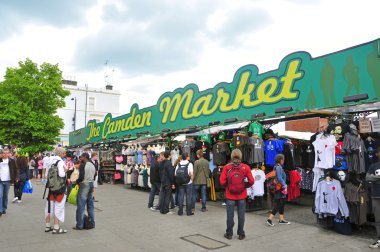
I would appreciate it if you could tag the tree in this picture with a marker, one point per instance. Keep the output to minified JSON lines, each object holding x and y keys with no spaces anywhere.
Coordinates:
{"x":29,"y":99}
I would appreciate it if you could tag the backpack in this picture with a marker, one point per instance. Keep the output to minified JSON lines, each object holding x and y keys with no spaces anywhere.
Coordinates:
{"x":235,"y":180}
{"x":182,"y":174}
{"x":55,"y":183}
{"x":272,"y":183}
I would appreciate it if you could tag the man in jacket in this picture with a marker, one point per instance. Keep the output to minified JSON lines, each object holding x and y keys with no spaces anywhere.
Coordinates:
{"x":87,"y":173}
{"x":373,"y":176}
{"x":167,"y":182}
{"x":8,"y":175}
{"x":154,"y":181}
{"x":201,"y":173}
{"x":237,"y":170}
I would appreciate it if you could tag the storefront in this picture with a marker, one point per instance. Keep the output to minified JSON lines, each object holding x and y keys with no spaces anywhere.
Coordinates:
{"x":343,"y":87}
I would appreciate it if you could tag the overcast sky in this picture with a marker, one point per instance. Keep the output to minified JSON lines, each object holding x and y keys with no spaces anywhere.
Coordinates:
{"x":154,"y":46}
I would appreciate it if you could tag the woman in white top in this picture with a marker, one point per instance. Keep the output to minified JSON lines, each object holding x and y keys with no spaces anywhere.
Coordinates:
{"x":57,"y":202}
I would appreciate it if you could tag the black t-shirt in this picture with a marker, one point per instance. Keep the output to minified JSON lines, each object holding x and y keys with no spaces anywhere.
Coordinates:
{"x":338,"y":130}
{"x":371,"y":151}
{"x":205,"y":147}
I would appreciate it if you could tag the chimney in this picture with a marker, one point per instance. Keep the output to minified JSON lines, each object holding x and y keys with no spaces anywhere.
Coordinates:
{"x":109,"y":87}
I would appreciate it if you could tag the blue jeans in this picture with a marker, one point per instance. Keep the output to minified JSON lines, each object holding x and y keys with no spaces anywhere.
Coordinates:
{"x":4,"y":190}
{"x":230,"y":216}
{"x":155,"y":187}
{"x":182,"y":190}
{"x":203,"y":194}
{"x":85,"y":198}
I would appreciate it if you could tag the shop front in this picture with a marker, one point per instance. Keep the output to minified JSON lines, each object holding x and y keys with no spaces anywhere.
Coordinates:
{"x":340,"y":89}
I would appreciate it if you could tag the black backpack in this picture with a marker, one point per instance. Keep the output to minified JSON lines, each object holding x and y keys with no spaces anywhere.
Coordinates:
{"x":182,"y":174}
{"x":87,"y":223}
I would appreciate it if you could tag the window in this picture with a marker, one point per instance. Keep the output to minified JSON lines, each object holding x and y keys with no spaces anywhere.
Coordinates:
{"x":91,"y":103}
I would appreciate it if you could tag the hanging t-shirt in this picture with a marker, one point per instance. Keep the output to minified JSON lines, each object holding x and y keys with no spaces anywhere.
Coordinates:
{"x":220,"y":152}
{"x":289,"y":163}
{"x":371,"y":146}
{"x":256,"y":129}
{"x":338,"y":130}
{"x":258,"y":150}
{"x":340,"y":163}
{"x":188,"y":146}
{"x":338,"y":148}
{"x":271,"y":149}
{"x":258,"y":186}
{"x":324,"y":147}
{"x":175,"y":154}
{"x":205,"y":147}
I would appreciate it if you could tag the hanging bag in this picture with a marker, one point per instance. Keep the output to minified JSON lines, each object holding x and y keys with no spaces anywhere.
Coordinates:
{"x":117,"y":176}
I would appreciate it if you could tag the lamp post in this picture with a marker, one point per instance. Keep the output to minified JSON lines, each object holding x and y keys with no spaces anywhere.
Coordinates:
{"x":75,"y":111}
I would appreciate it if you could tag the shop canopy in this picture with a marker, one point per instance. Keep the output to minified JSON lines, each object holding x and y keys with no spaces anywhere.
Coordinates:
{"x":346,"y":80}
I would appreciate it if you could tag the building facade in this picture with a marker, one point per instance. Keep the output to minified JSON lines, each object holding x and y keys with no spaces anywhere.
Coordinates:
{"x":84,"y":104}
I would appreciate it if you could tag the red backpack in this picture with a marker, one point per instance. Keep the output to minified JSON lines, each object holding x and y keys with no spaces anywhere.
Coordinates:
{"x":235,"y":180}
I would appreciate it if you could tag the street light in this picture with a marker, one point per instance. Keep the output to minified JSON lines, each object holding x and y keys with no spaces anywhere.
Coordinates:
{"x":75,"y":111}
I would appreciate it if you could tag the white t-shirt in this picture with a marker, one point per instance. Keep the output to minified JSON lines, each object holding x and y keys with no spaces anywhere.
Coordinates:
{"x":4,"y":170}
{"x":175,"y":155}
{"x":46,"y":162}
{"x":61,"y":166}
{"x":257,"y":189}
{"x":324,"y":147}
{"x":190,"y":169}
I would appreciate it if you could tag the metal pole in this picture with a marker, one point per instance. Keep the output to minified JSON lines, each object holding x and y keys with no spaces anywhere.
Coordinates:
{"x":85,"y":109}
{"x":75,"y":112}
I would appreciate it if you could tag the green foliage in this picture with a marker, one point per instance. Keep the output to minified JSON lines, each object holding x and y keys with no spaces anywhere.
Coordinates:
{"x":29,"y":99}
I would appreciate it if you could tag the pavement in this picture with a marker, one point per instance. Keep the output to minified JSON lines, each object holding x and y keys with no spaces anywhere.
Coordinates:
{"x":124,"y":223}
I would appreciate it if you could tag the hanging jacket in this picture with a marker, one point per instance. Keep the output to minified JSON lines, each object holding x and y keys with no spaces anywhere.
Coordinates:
{"x":294,"y":190}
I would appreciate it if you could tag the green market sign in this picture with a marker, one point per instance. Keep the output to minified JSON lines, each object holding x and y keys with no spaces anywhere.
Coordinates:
{"x":300,"y":82}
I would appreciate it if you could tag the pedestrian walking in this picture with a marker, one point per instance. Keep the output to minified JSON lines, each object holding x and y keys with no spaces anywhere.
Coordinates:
{"x":55,"y":204}
{"x":23,"y":171}
{"x":236,"y":177}
{"x":280,"y":195}
{"x":31,"y":167}
{"x":201,"y":173}
{"x":184,"y":177}
{"x":87,"y":173}
{"x":8,"y":175}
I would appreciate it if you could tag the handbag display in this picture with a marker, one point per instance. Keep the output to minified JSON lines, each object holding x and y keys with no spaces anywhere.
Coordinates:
{"x":73,"y":195}
{"x":208,"y":182}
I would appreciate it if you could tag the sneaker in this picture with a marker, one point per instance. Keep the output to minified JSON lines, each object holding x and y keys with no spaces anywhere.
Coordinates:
{"x":153,"y":208}
{"x":170,"y":212}
{"x":227,"y":236}
{"x":375,"y":245}
{"x":270,"y":223}
{"x":284,"y":222}
{"x":224,"y":204}
{"x":19,"y":201}
{"x":204,"y":209}
{"x":14,"y":200}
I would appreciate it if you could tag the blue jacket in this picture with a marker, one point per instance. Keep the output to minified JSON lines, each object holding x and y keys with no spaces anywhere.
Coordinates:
{"x":281,"y":178}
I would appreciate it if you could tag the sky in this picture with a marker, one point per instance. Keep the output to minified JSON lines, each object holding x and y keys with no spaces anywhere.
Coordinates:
{"x":155,"y":46}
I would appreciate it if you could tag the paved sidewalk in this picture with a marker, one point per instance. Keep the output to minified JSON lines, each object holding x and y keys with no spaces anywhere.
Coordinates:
{"x":124,"y":223}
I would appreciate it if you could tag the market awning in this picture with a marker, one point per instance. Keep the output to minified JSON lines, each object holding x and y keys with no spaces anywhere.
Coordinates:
{"x":217,"y":129}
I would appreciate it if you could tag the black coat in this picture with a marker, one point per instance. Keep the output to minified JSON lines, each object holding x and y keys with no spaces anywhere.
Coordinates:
{"x":166,"y":172}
